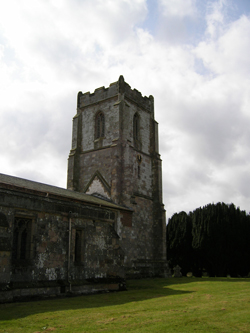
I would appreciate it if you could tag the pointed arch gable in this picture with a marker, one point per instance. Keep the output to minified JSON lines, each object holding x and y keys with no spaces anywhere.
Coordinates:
{"x":98,"y":184}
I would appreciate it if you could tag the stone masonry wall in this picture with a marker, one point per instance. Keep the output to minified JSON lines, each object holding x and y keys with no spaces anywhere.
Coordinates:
{"x":111,"y":113}
{"x":47,"y":264}
{"x":92,"y":162}
{"x":131,"y":169}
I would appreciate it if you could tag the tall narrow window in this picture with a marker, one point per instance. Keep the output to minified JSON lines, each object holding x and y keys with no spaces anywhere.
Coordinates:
{"x":79,"y":255}
{"x":99,"y":125}
{"x":78,"y":246}
{"x":136,"y":131}
{"x":22,"y":238}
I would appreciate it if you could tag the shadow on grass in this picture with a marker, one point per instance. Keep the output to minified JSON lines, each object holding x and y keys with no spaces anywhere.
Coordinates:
{"x":138,"y":291}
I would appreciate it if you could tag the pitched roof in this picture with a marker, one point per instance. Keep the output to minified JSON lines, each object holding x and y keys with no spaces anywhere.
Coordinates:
{"x":24,"y":184}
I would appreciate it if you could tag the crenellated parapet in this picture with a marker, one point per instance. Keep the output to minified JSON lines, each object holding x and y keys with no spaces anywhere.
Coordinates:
{"x":115,"y":156}
{"x":121,"y":89}
{"x":98,"y":95}
{"x":134,"y":95}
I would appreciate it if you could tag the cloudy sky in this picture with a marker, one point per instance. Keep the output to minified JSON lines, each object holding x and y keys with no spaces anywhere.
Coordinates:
{"x":193,"y":56}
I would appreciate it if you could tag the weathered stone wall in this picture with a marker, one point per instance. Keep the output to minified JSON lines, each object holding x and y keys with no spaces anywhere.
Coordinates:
{"x":111,"y":112}
{"x":51,"y":243}
{"x":132,"y":169}
{"x":137,"y":239}
{"x":119,"y":87}
{"x":47,"y":263}
{"x":5,"y":245}
{"x":92,"y":162}
{"x":98,"y":95}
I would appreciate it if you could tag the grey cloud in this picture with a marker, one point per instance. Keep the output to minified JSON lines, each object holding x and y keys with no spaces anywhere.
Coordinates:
{"x":203,"y":116}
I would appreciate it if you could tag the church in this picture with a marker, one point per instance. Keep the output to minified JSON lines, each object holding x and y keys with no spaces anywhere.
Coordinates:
{"x":108,"y":225}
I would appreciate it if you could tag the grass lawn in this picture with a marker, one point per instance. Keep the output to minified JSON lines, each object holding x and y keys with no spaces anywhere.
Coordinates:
{"x":151,"y":305}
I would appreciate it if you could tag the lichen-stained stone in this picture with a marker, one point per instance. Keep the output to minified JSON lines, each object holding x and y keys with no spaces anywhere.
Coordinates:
{"x":108,"y":224}
{"x":55,"y":241}
{"x":127,"y":158}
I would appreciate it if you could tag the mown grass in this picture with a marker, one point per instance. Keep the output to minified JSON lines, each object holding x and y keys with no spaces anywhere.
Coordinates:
{"x":152,"y":305}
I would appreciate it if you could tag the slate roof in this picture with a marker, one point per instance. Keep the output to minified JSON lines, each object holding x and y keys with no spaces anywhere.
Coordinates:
{"x":54,"y":190}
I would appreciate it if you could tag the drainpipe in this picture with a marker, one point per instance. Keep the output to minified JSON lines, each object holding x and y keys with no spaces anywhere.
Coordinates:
{"x":69,"y":250}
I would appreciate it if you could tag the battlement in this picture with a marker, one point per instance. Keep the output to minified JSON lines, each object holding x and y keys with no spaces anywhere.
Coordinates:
{"x":119,"y":89}
{"x":134,"y":95}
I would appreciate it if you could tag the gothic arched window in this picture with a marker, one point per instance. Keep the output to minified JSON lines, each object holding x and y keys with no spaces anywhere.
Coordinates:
{"x":99,"y":125}
{"x":22,"y":239}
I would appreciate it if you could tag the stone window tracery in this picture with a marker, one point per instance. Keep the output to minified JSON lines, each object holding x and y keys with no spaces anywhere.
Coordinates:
{"x":22,"y":238}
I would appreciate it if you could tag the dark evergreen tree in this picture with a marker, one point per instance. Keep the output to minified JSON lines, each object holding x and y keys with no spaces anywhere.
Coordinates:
{"x":215,"y":239}
{"x":179,"y":239}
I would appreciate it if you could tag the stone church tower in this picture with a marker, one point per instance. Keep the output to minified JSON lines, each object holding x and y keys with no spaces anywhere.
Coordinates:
{"x":115,"y":156}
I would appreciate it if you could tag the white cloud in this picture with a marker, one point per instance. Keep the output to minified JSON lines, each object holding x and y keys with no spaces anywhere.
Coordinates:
{"x":178,"y":8}
{"x":50,"y":50}
{"x":215,"y":17}
{"x":228,"y":54}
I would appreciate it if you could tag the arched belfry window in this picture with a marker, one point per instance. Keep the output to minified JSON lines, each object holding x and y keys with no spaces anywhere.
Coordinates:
{"x":99,"y":125}
{"x":136,"y":131}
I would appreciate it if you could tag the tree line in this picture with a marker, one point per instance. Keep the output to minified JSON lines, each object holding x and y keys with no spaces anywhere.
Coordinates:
{"x":214,"y":239}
